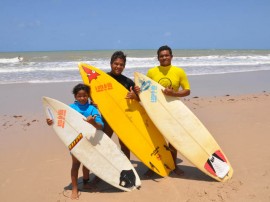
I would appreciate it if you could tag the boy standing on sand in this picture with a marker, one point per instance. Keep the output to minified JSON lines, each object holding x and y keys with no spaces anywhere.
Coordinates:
{"x":93,"y":117}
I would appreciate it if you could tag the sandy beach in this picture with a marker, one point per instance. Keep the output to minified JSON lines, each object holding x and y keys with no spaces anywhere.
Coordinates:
{"x":35,"y":165}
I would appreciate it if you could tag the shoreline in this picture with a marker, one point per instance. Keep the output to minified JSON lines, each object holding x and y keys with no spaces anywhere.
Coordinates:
{"x":201,"y":86}
{"x":230,"y":84}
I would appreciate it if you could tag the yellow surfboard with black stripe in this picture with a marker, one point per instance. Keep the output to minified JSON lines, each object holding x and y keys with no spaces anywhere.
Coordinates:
{"x":129,"y":120}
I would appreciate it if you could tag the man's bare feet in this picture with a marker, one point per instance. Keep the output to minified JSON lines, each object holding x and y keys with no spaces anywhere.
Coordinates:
{"x":178,"y":171}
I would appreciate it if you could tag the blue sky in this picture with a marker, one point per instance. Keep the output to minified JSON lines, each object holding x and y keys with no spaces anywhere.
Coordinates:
{"x":35,"y":25}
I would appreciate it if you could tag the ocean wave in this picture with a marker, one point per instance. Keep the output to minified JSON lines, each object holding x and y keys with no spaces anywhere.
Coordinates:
{"x":61,"y":67}
{"x":10,"y":60}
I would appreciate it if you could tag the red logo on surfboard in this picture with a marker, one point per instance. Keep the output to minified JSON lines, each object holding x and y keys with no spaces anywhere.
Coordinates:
{"x":61,"y":118}
{"x":91,"y":74}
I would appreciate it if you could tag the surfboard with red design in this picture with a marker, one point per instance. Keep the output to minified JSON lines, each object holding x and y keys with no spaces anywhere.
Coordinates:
{"x":183,"y":129}
{"x":128,"y":120}
{"x":93,"y":148}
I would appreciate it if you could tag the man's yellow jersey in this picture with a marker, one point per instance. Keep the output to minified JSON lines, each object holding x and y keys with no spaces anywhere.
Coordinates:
{"x":169,"y":76}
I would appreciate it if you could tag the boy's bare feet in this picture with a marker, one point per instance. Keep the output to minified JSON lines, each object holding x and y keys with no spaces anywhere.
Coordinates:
{"x":87,"y":185}
{"x":74,"y":194}
{"x":95,"y":180}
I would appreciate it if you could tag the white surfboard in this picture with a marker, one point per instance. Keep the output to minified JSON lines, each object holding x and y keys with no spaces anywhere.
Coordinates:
{"x":93,"y":148}
{"x":183,"y":129}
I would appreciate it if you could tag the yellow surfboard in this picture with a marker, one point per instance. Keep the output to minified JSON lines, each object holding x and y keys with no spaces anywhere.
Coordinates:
{"x":128,"y":120}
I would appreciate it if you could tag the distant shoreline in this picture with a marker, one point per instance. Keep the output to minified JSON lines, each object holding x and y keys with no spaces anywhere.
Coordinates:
{"x":201,"y":86}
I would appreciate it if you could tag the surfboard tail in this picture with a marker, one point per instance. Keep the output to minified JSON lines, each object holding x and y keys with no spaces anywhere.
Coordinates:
{"x":217,"y":165}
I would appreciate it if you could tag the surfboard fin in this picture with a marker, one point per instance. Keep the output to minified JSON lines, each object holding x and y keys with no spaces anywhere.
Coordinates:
{"x":166,"y":166}
{"x":152,"y":166}
{"x":127,"y":178}
{"x":168,"y":148}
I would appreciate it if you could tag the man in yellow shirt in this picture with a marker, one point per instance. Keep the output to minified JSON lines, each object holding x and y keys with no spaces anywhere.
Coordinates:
{"x":176,"y":84}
